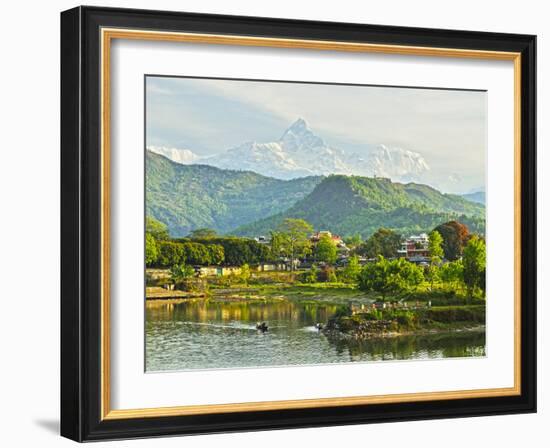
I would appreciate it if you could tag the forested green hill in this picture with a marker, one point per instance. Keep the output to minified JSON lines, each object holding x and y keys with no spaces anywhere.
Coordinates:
{"x":187,"y":197}
{"x":351,"y":205}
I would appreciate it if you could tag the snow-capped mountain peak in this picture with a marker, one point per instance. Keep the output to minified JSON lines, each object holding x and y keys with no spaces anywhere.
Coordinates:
{"x":300,"y":152}
{"x":183,"y":156}
{"x":298,"y":129}
{"x":300,"y":125}
{"x":299,"y":137}
{"x":397,"y":162}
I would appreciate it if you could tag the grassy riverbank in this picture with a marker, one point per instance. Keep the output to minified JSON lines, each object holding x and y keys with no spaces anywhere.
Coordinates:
{"x":275,"y":284}
{"x":391,"y":322}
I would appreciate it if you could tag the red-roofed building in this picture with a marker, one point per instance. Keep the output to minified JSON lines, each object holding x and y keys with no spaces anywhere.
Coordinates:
{"x":336,"y":239}
{"x":415,"y":247}
{"x":318,"y":235}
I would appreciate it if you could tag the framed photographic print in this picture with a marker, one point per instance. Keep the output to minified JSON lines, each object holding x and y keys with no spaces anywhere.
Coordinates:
{"x":273,"y":223}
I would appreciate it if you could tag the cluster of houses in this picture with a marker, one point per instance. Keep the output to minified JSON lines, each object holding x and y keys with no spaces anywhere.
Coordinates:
{"x":415,"y":249}
{"x":220,"y":271}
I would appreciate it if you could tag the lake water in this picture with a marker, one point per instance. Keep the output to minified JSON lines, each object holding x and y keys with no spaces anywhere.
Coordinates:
{"x":211,"y":335}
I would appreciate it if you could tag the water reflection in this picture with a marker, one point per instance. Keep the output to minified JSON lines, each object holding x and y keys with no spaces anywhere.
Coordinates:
{"x":443,"y":345}
{"x":202,"y":335}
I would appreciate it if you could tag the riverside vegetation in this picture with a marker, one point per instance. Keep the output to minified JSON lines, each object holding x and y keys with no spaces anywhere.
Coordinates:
{"x":372,"y":292}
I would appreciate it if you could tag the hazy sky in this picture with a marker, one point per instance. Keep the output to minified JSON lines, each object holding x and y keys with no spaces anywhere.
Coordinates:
{"x":209,"y":116}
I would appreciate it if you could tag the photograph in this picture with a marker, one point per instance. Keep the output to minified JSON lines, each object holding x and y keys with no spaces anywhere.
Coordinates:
{"x":293,"y":224}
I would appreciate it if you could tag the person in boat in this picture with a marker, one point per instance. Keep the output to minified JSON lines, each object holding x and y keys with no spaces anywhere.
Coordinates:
{"x":261,"y":326}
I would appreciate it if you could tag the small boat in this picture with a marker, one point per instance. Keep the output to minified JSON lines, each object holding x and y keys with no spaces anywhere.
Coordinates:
{"x":261,"y":327}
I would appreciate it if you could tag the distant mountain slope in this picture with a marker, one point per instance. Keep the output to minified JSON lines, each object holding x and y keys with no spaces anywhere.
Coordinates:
{"x":186,"y":197}
{"x":478,"y":196}
{"x":350,"y":204}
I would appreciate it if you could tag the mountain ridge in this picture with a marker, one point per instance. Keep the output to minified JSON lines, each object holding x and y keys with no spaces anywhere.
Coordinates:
{"x":359,"y":205}
{"x":475,"y":196}
{"x":187,"y":197}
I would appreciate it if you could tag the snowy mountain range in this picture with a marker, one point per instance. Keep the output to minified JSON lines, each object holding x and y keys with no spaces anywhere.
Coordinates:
{"x":183,"y":156}
{"x":300,"y":152}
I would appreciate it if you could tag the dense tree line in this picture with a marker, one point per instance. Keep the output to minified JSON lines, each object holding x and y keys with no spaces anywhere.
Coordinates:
{"x":238,"y":251}
{"x":174,"y":252}
{"x":218,"y":251}
{"x":202,"y":247}
{"x":161,"y":251}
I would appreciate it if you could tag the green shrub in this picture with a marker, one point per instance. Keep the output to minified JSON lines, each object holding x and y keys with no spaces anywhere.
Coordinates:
{"x":327,"y":274}
{"x":447,"y":314}
{"x":406,"y":319}
{"x":310,"y":276}
{"x":342,"y":311}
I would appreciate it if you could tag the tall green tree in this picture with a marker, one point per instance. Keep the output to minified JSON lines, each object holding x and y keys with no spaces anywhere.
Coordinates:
{"x":383,"y":242}
{"x":292,"y":238}
{"x":432,"y":274}
{"x":325,"y":250}
{"x":410,"y":275}
{"x":353,"y":241}
{"x":156,"y":228}
{"x":452,"y":274}
{"x":277,"y":245}
{"x":435,"y":245}
{"x":455,"y":236}
{"x":474,"y":261}
{"x":151,"y":250}
{"x":245,"y":273}
{"x":181,"y":274}
{"x":352,"y":269}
